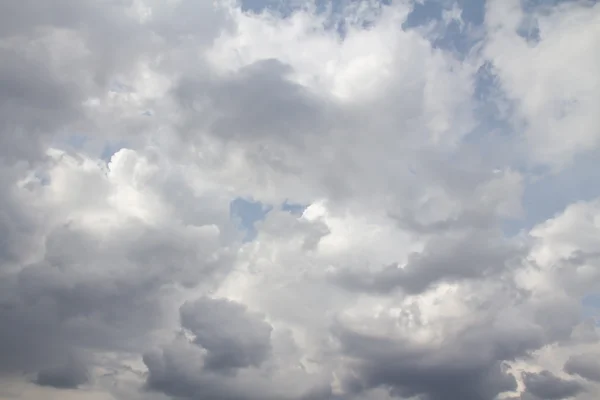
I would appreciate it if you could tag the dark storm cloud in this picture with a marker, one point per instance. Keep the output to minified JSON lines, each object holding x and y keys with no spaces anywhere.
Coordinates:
{"x":585,"y":365}
{"x":546,"y":385}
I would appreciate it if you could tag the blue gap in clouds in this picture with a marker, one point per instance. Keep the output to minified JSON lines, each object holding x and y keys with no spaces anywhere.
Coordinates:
{"x":550,"y":194}
{"x":453,"y":38}
{"x":493,"y":135}
{"x":246,"y":212}
{"x":94,"y":148}
{"x":591,"y":306}
{"x":258,"y":6}
{"x":473,"y":14}
{"x":110,"y":148}
{"x":493,"y":108}
{"x":333,"y":8}
{"x":285,"y":8}
{"x":535,"y":5}
{"x":77,"y":141}
{"x":294,"y":209}
{"x":528,"y":28}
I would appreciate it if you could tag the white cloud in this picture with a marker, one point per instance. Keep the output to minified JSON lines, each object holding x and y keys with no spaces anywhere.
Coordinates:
{"x":553,"y":82}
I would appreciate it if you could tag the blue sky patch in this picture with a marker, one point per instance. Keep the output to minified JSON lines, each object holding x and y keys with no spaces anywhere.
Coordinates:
{"x":246,"y":212}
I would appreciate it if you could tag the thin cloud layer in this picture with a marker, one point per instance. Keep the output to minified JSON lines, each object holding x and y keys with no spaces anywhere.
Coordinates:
{"x":389,"y":154}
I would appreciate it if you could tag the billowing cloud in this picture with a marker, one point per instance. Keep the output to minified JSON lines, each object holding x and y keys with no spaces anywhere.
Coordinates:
{"x":584,"y":365}
{"x":70,"y":375}
{"x":232,"y":337}
{"x":390,"y":154}
{"x":546,"y":385}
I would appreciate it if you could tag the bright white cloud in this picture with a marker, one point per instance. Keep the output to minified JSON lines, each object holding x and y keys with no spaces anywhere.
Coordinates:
{"x":553,"y":82}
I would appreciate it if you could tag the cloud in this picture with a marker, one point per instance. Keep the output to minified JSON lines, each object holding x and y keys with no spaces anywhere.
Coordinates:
{"x":411,"y":141}
{"x":68,"y":376}
{"x":546,"y":385}
{"x":100,"y":278}
{"x":232,"y":337}
{"x":548,"y":103}
{"x":438,"y":261}
{"x":584,"y":365}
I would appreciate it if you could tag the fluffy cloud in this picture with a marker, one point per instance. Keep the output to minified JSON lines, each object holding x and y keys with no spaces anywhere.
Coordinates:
{"x":406,"y":146}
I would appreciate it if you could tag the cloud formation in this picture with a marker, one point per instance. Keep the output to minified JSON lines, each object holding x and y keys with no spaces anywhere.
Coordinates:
{"x":394,"y":156}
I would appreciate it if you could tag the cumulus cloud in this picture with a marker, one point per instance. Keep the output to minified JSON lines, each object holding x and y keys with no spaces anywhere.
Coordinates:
{"x":388,"y":151}
{"x":584,"y":365}
{"x":546,"y":385}
{"x":70,"y":375}
{"x":232,"y":337}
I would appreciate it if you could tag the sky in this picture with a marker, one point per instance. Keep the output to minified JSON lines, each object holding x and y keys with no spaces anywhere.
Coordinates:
{"x":299,"y":200}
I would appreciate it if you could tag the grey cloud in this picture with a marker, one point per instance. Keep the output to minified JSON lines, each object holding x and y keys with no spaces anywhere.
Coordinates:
{"x":229,"y":356}
{"x":29,"y":337}
{"x":27,"y":16}
{"x":279,"y":124}
{"x":70,"y":375}
{"x":114,"y":36}
{"x":546,"y":385}
{"x":86,"y":293}
{"x":469,"y":363}
{"x":188,"y":19}
{"x":585,"y":365}
{"x":54,"y":58}
{"x":476,"y":255}
{"x":259,"y":102}
{"x":233,"y":336}
{"x":275,"y":125}
{"x":458,"y":370}
{"x":66,"y":289}
{"x":175,"y":371}
{"x":178,"y":370}
{"x":19,"y":224}
{"x":42,"y":91}
{"x":33,"y":102}
{"x":523,"y":396}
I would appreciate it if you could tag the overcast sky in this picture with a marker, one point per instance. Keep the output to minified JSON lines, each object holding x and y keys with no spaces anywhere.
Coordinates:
{"x":299,"y":200}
